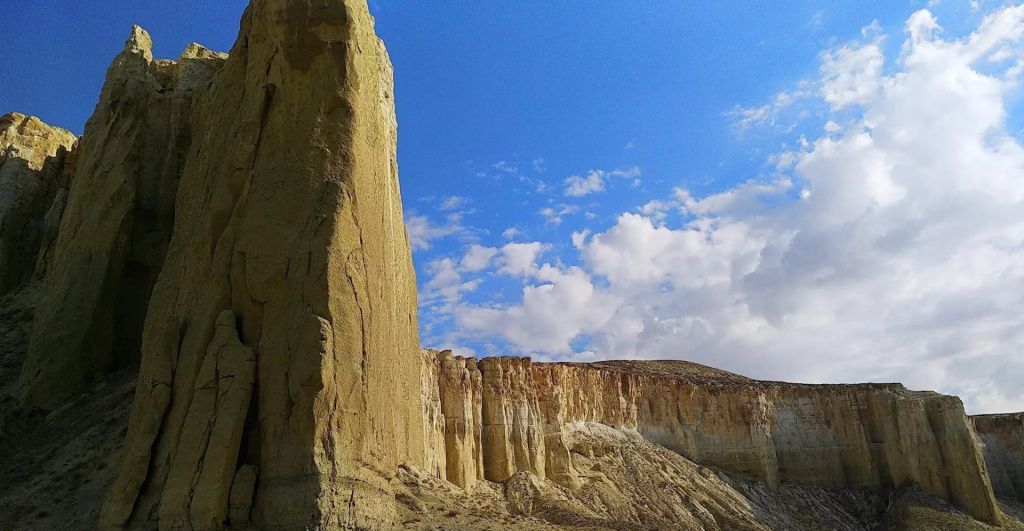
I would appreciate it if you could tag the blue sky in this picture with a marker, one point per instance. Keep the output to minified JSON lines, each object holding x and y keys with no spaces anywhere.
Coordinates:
{"x":828,"y":192}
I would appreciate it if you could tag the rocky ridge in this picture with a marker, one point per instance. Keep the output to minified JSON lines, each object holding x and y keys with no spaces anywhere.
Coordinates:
{"x":231,"y":225}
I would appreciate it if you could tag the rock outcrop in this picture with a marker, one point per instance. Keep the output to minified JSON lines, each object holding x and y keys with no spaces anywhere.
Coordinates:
{"x":115,"y":227}
{"x":1002,"y":441}
{"x":234,"y":223}
{"x":32,"y":160}
{"x":289,"y":215}
{"x":871,"y":436}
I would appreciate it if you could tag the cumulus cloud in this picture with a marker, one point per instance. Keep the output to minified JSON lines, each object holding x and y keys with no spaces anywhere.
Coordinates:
{"x":576,"y":186}
{"x":478,"y":258}
{"x":892,"y":251}
{"x":422,"y":232}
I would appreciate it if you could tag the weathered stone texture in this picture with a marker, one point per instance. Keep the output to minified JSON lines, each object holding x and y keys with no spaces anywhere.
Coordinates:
{"x":32,"y":158}
{"x":460,"y":392}
{"x":242,"y":489}
{"x":435,"y":453}
{"x":117,"y":221}
{"x":1002,"y":438}
{"x":289,"y":215}
{"x":872,"y":436}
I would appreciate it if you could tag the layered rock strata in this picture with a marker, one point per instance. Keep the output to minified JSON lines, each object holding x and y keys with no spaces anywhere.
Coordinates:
{"x":289,"y":216}
{"x":113,"y":232}
{"x":1002,"y":440}
{"x":32,"y":160}
{"x":872,"y":436}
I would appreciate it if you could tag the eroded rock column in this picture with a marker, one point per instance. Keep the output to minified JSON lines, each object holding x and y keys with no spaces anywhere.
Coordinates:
{"x":460,"y":388}
{"x":289,"y":215}
{"x":116,"y":225}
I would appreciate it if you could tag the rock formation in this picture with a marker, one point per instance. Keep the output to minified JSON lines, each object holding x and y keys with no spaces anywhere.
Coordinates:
{"x":117,"y":221}
{"x":871,"y":436}
{"x":289,"y":215}
{"x":234,"y":223}
{"x":32,"y":158}
{"x":1002,"y":441}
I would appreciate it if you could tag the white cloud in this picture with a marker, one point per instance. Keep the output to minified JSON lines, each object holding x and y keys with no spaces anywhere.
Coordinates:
{"x":446,"y":284}
{"x":577,"y":186}
{"x":478,"y":258}
{"x":520,"y":258}
{"x":422,"y":231}
{"x":506,"y":167}
{"x":554,"y":308}
{"x":452,"y":203}
{"x":768,"y":114}
{"x":852,"y":75}
{"x":628,"y":173}
{"x":510,"y":233}
{"x":893,"y":252}
{"x":554,"y":215}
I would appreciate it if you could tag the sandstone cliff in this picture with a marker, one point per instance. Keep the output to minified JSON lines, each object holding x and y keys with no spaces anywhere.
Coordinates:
{"x":116,"y":223}
{"x":247,"y":208}
{"x":288,"y":233}
{"x":1002,"y":440}
{"x":872,"y":436}
{"x":32,"y":159}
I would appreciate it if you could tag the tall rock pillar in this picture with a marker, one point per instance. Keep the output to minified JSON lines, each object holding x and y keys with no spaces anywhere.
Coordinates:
{"x":117,"y":223}
{"x":288,"y":215}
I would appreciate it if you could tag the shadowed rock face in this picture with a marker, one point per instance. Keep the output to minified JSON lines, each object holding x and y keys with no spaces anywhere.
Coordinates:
{"x":1002,"y":440}
{"x":872,"y":436}
{"x":32,"y":156}
{"x":288,"y":215}
{"x":117,"y":221}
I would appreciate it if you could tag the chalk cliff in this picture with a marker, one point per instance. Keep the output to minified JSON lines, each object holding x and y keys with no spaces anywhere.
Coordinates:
{"x":871,"y":436}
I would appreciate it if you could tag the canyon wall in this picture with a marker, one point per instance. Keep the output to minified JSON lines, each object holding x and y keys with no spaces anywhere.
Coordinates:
{"x":1002,"y":441}
{"x":871,"y":436}
{"x":114,"y":220}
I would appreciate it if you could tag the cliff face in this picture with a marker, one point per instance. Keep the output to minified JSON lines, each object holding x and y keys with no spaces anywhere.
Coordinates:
{"x":851,"y":436}
{"x":32,"y":160}
{"x":1002,"y":441}
{"x":247,"y":208}
{"x":114,"y":230}
{"x":288,"y":242}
